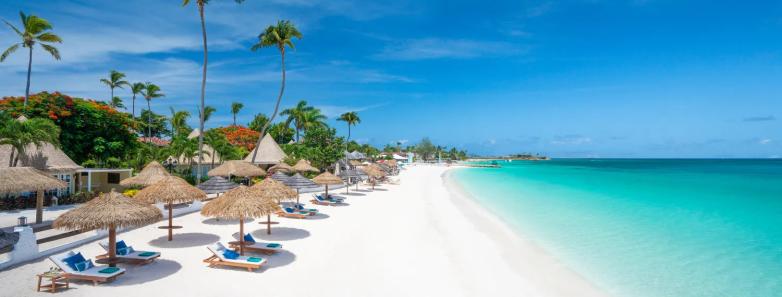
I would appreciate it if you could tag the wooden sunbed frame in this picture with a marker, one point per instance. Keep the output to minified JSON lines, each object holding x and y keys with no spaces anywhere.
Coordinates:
{"x":214,"y":260}
{"x":94,"y":279}
{"x":250,"y":248}
{"x":318,"y":202}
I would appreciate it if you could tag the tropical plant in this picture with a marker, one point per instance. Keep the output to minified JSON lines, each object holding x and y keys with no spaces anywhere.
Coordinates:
{"x":303,"y":117}
{"x":278,"y":36}
{"x":281,"y":132}
{"x":208,"y":111}
{"x":20,"y":134}
{"x":135,"y":88}
{"x":351,"y":118}
{"x":115,"y":80}
{"x":425,"y":149}
{"x":258,"y":122}
{"x":157,"y":127}
{"x":178,"y":122}
{"x":36,"y":30}
{"x":151,"y":91}
{"x":235,"y":108}
{"x":116,"y":103}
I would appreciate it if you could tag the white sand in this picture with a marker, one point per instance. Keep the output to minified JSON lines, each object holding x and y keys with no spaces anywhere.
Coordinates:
{"x":413,"y":239}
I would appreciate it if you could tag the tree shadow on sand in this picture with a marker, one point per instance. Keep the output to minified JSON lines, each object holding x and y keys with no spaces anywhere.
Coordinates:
{"x":185,"y":240}
{"x":139,"y":274}
{"x":281,"y":233}
{"x":218,"y":221}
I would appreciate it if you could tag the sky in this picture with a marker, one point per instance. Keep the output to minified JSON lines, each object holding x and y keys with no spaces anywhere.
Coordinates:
{"x":581,"y":78}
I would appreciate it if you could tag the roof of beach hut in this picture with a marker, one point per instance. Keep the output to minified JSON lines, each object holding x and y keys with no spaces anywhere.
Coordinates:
{"x":327,"y":178}
{"x":304,"y":165}
{"x":23,"y":179}
{"x":217,"y":184}
{"x":171,"y":189}
{"x":269,"y":152}
{"x":239,"y":203}
{"x":109,"y":210}
{"x":45,"y":157}
{"x":237,"y":168}
{"x":151,"y":174}
{"x":282,"y":167}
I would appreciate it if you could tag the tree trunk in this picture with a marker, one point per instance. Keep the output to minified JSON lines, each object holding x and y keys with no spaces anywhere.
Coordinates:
{"x":111,"y":100}
{"x":276,"y":107}
{"x":39,"y":207}
{"x":149,"y":120}
{"x":29,"y":71}
{"x":203,"y":91}
{"x":11,"y":159}
{"x":133,"y":111}
{"x":234,"y":119}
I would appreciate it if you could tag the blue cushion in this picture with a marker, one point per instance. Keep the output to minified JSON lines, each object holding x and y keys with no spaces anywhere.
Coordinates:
{"x":289,"y":210}
{"x":121,"y":244}
{"x":229,"y":254}
{"x":254,"y":259}
{"x":82,"y":266}
{"x":72,"y":260}
{"x":125,"y":251}
{"x":249,"y":238}
{"x":273,"y":245}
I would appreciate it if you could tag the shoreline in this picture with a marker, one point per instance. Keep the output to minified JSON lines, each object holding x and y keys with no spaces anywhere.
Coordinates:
{"x":548,"y":274}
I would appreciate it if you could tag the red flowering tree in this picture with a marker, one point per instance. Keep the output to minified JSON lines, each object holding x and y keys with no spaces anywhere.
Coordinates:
{"x":241,"y":136}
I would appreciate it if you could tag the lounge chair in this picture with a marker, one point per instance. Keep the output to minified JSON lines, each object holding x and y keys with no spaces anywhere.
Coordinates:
{"x":96,"y":274}
{"x":300,"y":207}
{"x":134,"y":257}
{"x":218,"y":259}
{"x":256,"y":246}
{"x":289,"y":212}
{"x":320,"y":201}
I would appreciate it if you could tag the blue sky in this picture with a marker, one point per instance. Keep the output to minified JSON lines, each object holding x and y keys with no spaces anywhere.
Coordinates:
{"x":584,"y":78}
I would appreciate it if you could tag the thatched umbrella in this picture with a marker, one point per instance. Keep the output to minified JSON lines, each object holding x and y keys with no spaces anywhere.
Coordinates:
{"x":327,"y":179}
{"x":351,"y":174}
{"x":237,"y":168}
{"x":373,"y":172}
{"x":297,"y":181}
{"x":217,"y":185}
{"x":26,"y":179}
{"x":279,"y":176}
{"x":151,"y":174}
{"x":282,"y":167}
{"x":109,"y":211}
{"x":304,"y":165}
{"x":170,"y":190}
{"x":241,"y":203}
{"x":270,"y":189}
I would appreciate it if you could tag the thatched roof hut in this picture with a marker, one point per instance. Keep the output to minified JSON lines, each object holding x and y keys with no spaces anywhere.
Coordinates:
{"x":237,"y":168}
{"x":269,"y":152}
{"x":46,"y":157}
{"x":151,"y":174}
{"x":109,"y":211}
{"x":170,"y":190}
{"x":24,"y":179}
{"x":304,"y":165}
{"x":216,"y":185}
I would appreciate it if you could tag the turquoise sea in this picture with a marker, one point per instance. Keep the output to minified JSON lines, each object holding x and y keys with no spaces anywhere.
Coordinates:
{"x":646,"y":227}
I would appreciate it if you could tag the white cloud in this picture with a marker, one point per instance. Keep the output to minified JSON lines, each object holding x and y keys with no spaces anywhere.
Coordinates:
{"x":764,"y":141}
{"x":438,"y":48}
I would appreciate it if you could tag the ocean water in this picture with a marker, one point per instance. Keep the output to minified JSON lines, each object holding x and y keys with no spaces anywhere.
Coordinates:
{"x":641,"y":227}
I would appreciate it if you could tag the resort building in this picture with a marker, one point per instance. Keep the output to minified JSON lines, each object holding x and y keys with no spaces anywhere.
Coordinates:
{"x":269,"y":152}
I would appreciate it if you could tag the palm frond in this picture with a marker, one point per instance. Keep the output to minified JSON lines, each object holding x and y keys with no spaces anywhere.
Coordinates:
{"x":49,"y":37}
{"x":52,"y":50}
{"x":14,"y":28}
{"x":36,"y":25}
{"x":9,"y":51}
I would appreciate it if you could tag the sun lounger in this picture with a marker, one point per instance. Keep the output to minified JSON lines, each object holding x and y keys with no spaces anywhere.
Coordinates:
{"x":289,"y":212}
{"x":218,"y":259}
{"x":96,"y":274}
{"x":134,"y":257}
{"x":257,"y":246}
{"x":300,"y":207}
{"x":320,"y":201}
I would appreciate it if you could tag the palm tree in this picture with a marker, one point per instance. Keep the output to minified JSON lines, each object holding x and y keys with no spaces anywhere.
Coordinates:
{"x":351,"y":118}
{"x":235,"y":108}
{"x":179,"y":122}
{"x":34,"y":31}
{"x":150,"y":91}
{"x":136,"y":89}
{"x":19,"y":134}
{"x":116,"y":102}
{"x":303,"y":117}
{"x":208,"y":111}
{"x":278,"y":36}
{"x":200,"y":4}
{"x":115,"y":80}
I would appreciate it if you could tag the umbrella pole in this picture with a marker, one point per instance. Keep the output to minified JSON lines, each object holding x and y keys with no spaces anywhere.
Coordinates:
{"x":241,"y":236}
{"x":268,"y":224}
{"x":39,"y":207}
{"x":112,"y":245}
{"x":297,"y":195}
{"x":327,"y":191}
{"x":170,"y":222}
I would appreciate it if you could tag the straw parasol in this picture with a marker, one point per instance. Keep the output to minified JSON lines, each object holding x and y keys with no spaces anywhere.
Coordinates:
{"x":216,"y":185}
{"x":240,"y":203}
{"x":351,"y":174}
{"x":279,"y":176}
{"x":298,"y":181}
{"x":373,"y":173}
{"x":109,"y":211}
{"x":327,"y":179}
{"x":237,"y":168}
{"x":355,"y":162}
{"x":282,"y":167}
{"x":151,"y":174}
{"x":25,"y":179}
{"x":170,"y":190}
{"x":270,"y":189}
{"x":304,"y":165}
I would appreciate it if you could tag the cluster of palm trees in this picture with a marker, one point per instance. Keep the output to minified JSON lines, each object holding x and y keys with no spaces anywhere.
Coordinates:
{"x":148,"y":90}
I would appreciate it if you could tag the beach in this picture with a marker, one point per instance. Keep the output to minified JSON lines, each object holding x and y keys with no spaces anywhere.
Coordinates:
{"x":424,"y":237}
